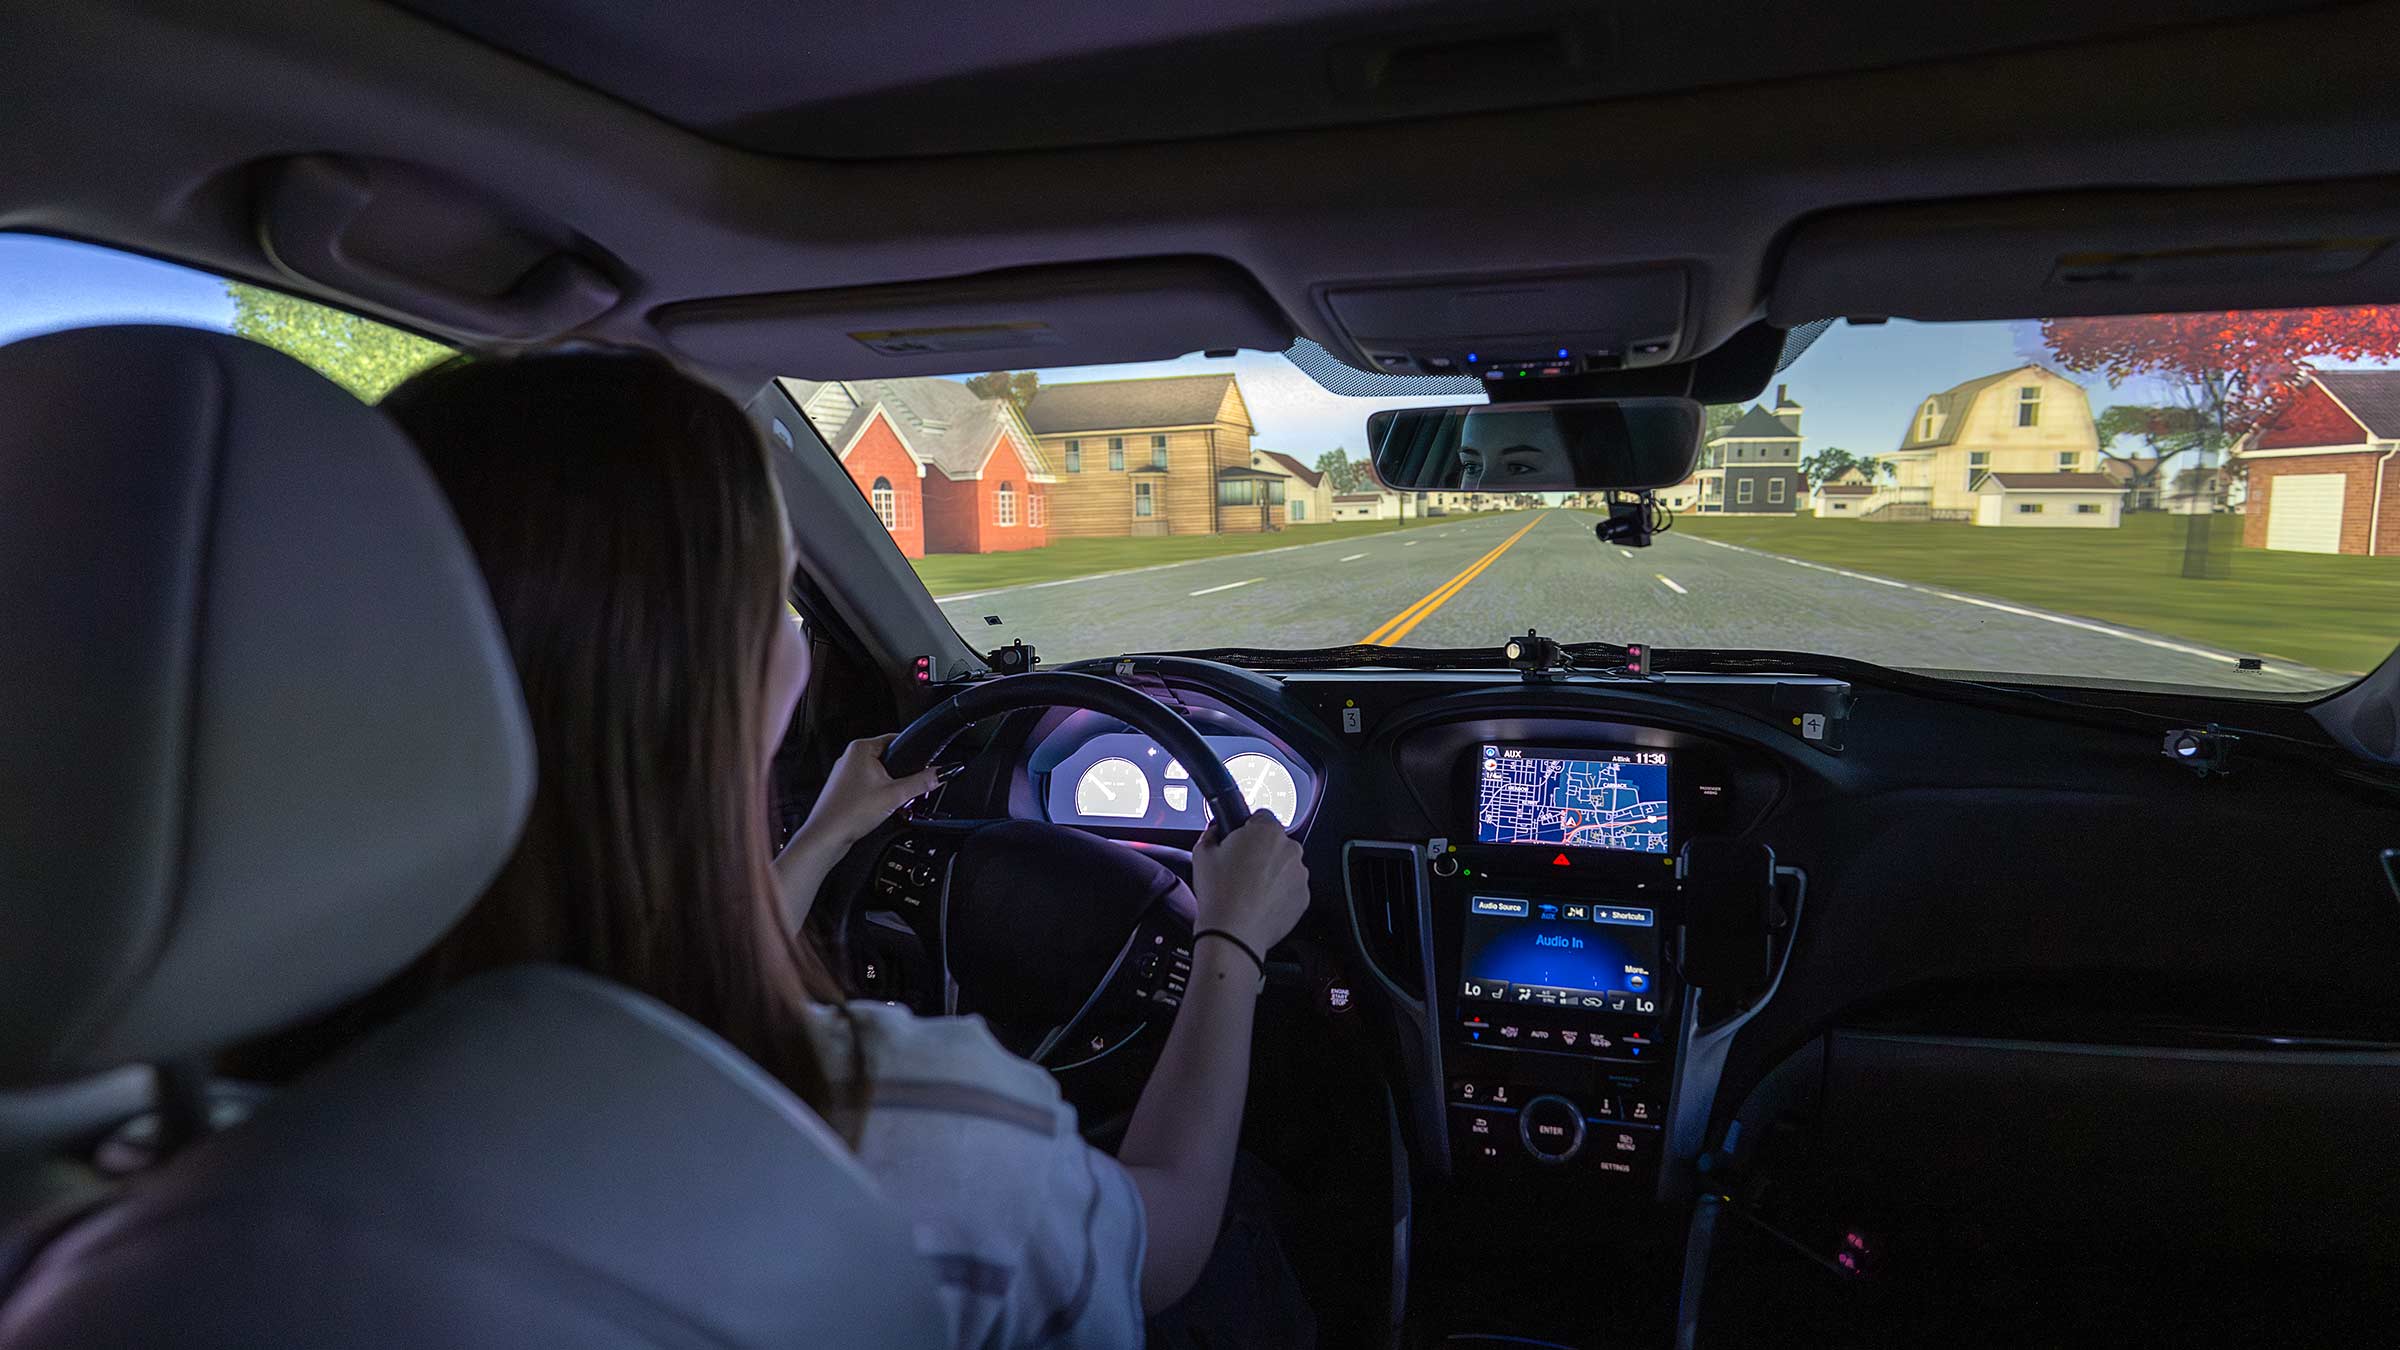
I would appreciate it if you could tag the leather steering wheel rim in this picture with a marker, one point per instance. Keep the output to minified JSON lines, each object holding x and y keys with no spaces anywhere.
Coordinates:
{"x":923,"y":740}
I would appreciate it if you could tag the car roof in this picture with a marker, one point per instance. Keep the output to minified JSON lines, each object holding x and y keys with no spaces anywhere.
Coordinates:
{"x":748,"y":187}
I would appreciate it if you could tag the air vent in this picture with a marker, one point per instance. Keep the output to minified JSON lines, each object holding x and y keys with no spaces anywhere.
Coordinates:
{"x":1383,"y":905}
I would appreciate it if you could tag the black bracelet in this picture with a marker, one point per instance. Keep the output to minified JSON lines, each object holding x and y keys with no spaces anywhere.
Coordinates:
{"x":1241,"y":946}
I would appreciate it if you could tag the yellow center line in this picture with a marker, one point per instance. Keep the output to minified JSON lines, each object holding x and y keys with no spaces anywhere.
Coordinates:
{"x":1399,"y":625}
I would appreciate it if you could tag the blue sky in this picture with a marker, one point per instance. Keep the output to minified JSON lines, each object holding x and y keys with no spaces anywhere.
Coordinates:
{"x":1857,"y":384}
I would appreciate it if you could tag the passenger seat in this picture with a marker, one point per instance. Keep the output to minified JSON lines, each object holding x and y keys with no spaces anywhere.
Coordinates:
{"x":262,"y":745}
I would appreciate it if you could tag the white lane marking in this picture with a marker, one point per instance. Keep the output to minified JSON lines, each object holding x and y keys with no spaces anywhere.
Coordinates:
{"x":1669,"y":583}
{"x":1843,"y":572}
{"x":1408,"y":543}
{"x":2020,"y":611}
{"x":2087,"y":625}
{"x":1352,"y":558}
{"x":1625,"y":552}
{"x":1230,"y":585}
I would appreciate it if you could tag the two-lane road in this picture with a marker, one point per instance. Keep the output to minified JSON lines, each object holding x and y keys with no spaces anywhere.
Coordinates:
{"x":1474,"y":583}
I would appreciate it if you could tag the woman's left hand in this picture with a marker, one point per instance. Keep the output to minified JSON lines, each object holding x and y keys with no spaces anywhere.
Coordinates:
{"x":859,"y":795}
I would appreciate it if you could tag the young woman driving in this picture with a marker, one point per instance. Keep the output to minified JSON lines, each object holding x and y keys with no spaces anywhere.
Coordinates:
{"x":627,"y":521}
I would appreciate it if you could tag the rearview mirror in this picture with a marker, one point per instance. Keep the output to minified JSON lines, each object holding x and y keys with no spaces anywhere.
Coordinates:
{"x":1537,"y":447}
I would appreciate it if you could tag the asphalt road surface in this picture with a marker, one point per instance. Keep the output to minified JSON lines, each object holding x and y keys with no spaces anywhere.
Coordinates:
{"x":1476,"y":583}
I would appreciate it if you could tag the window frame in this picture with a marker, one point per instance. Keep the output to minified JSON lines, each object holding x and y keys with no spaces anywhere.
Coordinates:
{"x":1004,"y":504}
{"x":1237,"y":492}
{"x":2029,"y":405}
{"x":1778,"y":491}
{"x":2030,"y":508}
{"x":884,"y":500}
{"x":1116,"y":454}
{"x":1074,"y":456}
{"x":1742,"y":492}
{"x":1145,"y":501}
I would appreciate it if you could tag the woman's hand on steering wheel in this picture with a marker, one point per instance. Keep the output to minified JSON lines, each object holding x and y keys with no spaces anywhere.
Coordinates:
{"x":1251,"y":883}
{"x":860,"y":795}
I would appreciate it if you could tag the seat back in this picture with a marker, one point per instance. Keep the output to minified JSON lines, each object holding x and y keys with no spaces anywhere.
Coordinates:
{"x":535,"y":1158}
{"x":262,"y":744}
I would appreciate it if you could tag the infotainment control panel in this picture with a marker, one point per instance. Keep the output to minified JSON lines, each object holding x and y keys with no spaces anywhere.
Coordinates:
{"x":1577,"y":957}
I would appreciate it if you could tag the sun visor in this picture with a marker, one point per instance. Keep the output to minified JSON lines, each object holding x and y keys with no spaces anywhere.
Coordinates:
{"x":1085,"y":314}
{"x":2097,"y":253}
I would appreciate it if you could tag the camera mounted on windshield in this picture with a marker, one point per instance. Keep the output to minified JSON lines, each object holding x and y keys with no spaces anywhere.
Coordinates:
{"x":1633,"y":519}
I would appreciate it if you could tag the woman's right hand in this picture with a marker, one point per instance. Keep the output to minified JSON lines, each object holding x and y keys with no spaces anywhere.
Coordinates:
{"x":1251,"y":883}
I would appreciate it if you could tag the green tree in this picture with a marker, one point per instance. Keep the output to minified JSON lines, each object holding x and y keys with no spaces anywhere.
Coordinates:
{"x":2164,"y":434}
{"x":363,"y":356}
{"x":1827,"y":464}
{"x":1335,"y":465}
{"x":1017,"y":386}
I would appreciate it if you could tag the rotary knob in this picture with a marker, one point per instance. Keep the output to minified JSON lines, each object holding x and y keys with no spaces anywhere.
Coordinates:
{"x":1551,"y":1129}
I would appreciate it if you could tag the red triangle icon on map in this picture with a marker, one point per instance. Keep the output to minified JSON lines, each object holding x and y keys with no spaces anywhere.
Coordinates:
{"x":1559,"y":861}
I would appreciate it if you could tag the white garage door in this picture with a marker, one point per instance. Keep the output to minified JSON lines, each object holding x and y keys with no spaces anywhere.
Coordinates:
{"x":2304,"y":512}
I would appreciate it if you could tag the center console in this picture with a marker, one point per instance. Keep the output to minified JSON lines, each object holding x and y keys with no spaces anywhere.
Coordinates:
{"x":1556,"y":994}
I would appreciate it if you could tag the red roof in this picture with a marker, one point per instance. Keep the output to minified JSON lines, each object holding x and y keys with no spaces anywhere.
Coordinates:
{"x":1294,"y":467}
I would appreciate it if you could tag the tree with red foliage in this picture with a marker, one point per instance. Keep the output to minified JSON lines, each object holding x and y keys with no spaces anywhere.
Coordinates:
{"x":2232,"y":369}
{"x":2227,"y":373}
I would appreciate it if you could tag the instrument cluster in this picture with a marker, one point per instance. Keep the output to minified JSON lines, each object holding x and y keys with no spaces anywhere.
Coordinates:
{"x":1123,"y":779}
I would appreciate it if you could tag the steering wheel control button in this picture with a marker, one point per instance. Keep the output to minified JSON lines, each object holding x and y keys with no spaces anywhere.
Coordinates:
{"x":1551,"y":1128}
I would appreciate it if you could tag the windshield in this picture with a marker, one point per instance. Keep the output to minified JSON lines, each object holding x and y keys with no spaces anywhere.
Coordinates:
{"x":2195,"y":500}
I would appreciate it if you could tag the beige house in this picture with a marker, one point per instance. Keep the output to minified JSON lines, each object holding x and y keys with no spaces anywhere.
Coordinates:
{"x":1841,"y":501}
{"x":2091,"y":501}
{"x":1378,"y":505}
{"x":2030,"y":420}
{"x":1307,"y":494}
{"x":1154,"y":456}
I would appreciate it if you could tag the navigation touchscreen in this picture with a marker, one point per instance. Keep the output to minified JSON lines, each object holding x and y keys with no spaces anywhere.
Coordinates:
{"x":1573,"y":798}
{"x":1586,"y":955}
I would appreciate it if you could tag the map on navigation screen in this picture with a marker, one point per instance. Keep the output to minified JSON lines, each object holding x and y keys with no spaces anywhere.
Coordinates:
{"x":1596,"y":799}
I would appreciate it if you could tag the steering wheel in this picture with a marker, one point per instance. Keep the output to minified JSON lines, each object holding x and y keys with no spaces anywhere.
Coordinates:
{"x":1069,"y":944}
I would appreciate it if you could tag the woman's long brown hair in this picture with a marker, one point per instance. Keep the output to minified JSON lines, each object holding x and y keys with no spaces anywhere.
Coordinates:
{"x":627,"y":521}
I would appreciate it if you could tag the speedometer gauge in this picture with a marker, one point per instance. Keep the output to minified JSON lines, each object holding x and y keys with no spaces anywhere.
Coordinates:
{"x":1266,"y":785}
{"x":1115,"y":788}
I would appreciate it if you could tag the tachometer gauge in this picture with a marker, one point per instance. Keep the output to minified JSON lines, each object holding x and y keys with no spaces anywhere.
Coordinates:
{"x":1266,"y":785}
{"x":1115,"y":788}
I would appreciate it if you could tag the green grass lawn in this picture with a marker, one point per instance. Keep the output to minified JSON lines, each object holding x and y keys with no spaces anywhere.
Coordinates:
{"x":2337,"y":613}
{"x":952,"y":573}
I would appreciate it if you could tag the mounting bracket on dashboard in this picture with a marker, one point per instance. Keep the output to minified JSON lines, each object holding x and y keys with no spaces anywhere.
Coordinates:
{"x":1014,"y":659}
{"x":2204,"y":750}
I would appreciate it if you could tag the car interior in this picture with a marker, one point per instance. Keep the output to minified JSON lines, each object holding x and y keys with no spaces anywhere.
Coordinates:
{"x":1939,"y":1008}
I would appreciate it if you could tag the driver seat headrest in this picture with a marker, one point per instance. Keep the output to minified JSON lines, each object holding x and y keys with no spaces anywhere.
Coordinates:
{"x":264,"y":743}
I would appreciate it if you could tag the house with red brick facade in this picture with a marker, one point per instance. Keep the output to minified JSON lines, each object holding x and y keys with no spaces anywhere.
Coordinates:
{"x":946,"y":472}
{"x":2324,"y":474}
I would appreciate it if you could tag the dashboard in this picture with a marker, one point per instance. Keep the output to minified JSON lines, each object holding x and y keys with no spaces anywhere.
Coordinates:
{"x":1572,"y":927}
